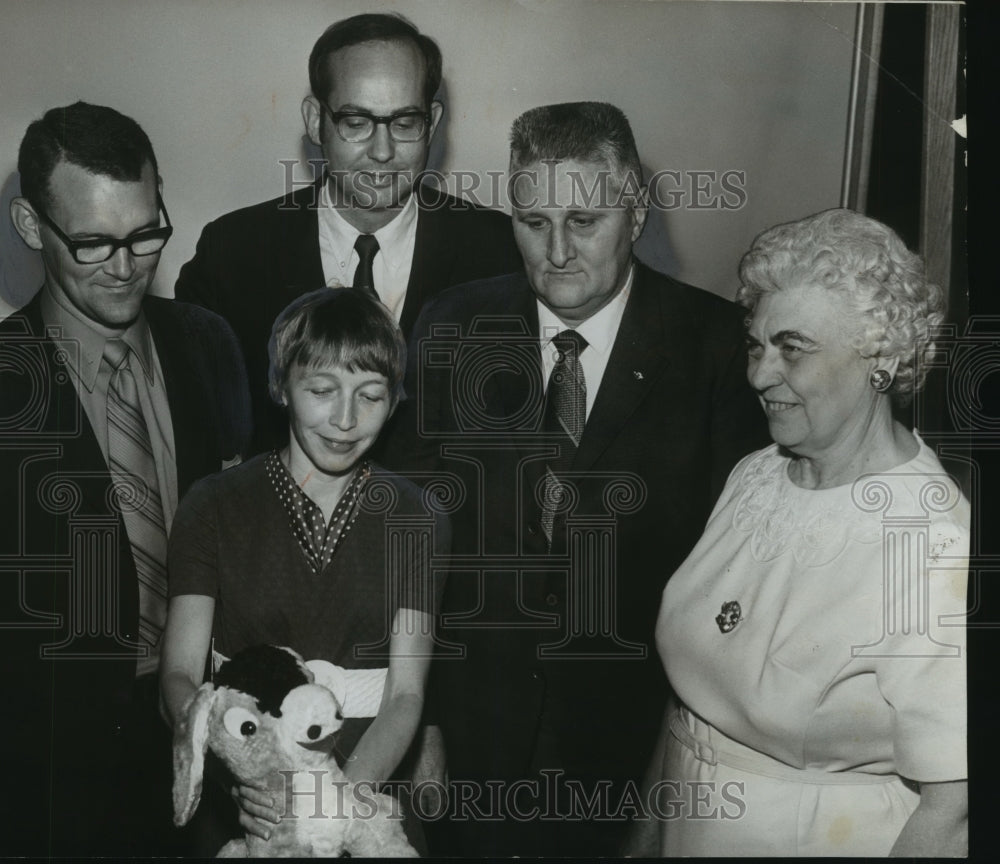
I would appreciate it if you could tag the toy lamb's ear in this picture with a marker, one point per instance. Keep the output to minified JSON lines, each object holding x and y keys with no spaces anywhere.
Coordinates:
{"x":333,"y":677}
{"x":190,"y":744}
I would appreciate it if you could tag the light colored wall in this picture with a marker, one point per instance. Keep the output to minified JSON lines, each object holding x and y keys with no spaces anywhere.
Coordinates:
{"x":755,"y":87}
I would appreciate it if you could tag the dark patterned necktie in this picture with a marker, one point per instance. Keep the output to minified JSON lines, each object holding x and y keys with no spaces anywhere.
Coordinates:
{"x":565,"y":417}
{"x":133,"y":470}
{"x":367,"y":248}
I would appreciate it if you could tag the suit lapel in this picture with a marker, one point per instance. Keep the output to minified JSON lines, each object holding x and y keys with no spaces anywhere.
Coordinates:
{"x":638,"y":359}
{"x":433,"y":256}
{"x":66,"y":419}
{"x":302,"y":265}
{"x":187,"y":413}
{"x":520,"y":392}
{"x":81,"y":451}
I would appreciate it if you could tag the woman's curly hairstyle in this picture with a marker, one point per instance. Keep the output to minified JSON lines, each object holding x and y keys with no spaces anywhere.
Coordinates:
{"x":883,"y":283}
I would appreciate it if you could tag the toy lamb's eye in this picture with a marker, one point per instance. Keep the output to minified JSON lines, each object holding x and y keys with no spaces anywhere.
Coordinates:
{"x":240,"y":723}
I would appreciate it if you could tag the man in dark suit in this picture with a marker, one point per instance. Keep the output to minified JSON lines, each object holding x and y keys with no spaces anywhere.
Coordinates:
{"x":581,"y":417}
{"x":111,"y":404}
{"x":367,"y":221}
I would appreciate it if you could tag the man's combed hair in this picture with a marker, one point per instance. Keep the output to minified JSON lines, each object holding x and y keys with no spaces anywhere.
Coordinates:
{"x":336,"y":327}
{"x":372,"y":27}
{"x":579,"y":131}
{"x":883,"y":284}
{"x":97,"y":138}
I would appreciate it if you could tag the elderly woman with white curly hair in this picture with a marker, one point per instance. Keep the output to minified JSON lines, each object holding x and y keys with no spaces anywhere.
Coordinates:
{"x":814,"y":637}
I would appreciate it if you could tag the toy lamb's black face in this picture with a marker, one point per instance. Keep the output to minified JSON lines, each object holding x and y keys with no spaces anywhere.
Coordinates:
{"x":268,"y":715}
{"x":263,"y":714}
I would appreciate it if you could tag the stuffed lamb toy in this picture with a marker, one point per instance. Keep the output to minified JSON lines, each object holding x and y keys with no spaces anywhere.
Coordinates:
{"x":272,"y":725}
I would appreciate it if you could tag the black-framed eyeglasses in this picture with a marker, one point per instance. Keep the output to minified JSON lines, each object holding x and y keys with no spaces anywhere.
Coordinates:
{"x":354,"y":127}
{"x":97,"y":250}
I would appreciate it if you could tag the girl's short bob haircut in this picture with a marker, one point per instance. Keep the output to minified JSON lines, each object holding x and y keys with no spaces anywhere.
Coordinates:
{"x":336,"y":327}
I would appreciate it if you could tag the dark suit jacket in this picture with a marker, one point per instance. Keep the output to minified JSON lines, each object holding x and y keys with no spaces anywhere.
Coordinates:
{"x":526,"y":679}
{"x":251,"y":263}
{"x":68,"y":596}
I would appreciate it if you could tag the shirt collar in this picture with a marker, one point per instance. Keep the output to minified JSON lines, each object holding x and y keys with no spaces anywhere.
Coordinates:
{"x":599,"y":329}
{"x":390,"y":236}
{"x":91,"y":337}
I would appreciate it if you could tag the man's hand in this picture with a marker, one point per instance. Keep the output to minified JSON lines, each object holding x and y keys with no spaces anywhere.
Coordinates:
{"x":256,"y":810}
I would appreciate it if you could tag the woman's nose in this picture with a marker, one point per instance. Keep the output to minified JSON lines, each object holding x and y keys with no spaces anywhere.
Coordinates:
{"x":763,"y":371}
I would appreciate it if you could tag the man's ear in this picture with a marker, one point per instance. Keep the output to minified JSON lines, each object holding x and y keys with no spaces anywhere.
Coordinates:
{"x":312,"y":116}
{"x":26,"y":221}
{"x":640,"y":211}
{"x":437,"y":112}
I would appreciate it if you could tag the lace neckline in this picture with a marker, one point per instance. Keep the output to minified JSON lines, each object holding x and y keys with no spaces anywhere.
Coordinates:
{"x":814,"y":525}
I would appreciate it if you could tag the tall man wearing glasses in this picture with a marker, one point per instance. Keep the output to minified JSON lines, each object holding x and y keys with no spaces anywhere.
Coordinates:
{"x":112,"y":403}
{"x":367,"y":221}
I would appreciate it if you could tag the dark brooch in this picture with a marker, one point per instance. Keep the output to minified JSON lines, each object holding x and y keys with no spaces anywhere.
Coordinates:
{"x":730,"y":616}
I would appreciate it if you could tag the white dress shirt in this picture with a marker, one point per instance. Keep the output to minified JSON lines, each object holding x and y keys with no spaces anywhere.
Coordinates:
{"x":92,"y":378}
{"x":600,"y":330}
{"x":392,"y":265}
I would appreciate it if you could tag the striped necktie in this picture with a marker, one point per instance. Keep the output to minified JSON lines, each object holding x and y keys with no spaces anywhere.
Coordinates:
{"x":133,"y":470}
{"x":564,"y":419}
{"x":367,"y":248}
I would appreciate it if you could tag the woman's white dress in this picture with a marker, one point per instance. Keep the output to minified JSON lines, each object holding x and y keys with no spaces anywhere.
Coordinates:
{"x":813,"y":708}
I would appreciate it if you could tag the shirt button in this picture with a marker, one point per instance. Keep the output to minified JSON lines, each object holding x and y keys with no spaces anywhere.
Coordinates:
{"x":552,"y":600}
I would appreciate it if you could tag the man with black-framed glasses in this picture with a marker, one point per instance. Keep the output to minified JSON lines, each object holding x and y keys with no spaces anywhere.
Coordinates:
{"x":112,"y":403}
{"x":97,"y":250}
{"x":367,"y":221}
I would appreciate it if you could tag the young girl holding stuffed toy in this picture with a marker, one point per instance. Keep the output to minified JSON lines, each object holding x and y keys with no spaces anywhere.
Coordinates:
{"x":293,"y":547}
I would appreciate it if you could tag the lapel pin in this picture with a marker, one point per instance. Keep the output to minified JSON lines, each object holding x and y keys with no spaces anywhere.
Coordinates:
{"x":638,"y":375}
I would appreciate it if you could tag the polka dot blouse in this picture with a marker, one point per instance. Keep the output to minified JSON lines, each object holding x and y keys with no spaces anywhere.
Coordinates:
{"x":317,"y":539}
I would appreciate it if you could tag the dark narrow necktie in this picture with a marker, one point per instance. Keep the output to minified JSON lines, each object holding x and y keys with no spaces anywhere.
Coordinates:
{"x":133,"y":469}
{"x":367,"y":248}
{"x":565,"y":417}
